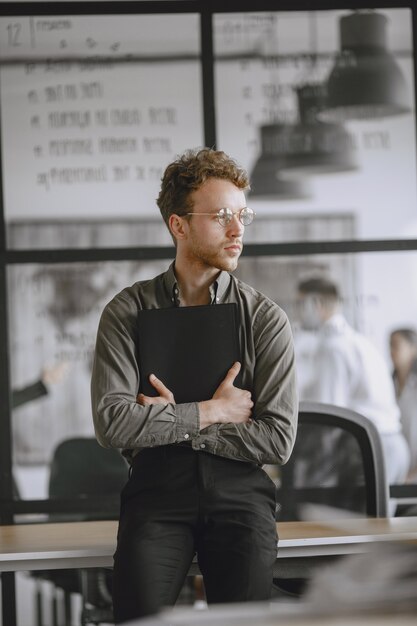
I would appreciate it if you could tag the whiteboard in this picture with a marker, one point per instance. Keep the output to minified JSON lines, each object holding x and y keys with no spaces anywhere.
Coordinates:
{"x":93,"y":108}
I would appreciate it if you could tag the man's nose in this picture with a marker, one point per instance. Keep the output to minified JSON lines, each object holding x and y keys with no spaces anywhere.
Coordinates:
{"x":236,"y":227}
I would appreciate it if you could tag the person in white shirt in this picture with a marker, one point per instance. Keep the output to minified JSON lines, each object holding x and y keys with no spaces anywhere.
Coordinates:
{"x":350,"y":372}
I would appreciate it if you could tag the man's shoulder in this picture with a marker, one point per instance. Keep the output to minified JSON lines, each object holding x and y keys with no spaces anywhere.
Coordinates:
{"x":135,"y":296}
{"x":257,"y":299}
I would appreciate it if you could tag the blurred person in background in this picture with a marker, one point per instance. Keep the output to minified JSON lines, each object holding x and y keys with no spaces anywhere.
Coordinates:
{"x":403,"y":349}
{"x":40,"y":387}
{"x":349,"y":371}
{"x":50,"y":375}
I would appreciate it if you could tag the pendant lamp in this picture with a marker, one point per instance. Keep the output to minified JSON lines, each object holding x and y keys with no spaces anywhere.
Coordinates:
{"x":314,"y":147}
{"x":366,"y":81}
{"x":266,"y":180}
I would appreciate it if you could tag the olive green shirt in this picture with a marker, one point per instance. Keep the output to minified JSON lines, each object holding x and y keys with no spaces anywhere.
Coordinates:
{"x":268,"y":371}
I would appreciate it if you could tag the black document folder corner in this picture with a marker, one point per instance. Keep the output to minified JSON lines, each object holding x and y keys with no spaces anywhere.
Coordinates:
{"x":190,"y":349}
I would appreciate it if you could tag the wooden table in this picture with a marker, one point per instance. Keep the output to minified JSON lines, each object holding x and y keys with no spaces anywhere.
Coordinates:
{"x":91,"y":544}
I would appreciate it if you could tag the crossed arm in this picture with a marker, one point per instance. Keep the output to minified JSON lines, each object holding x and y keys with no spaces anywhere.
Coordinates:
{"x":257,"y":425}
{"x":229,"y":404}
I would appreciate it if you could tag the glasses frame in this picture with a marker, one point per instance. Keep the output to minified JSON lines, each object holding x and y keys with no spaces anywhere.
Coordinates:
{"x":226,"y":219}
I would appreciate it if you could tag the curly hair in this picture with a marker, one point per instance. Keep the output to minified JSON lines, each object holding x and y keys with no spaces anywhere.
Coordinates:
{"x":188,"y":172}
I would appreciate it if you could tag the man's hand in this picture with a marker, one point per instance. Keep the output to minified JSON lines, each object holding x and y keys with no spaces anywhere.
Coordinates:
{"x":229,"y":403}
{"x":165,"y":395}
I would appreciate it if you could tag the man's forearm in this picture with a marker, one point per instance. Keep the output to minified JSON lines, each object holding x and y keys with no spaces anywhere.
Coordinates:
{"x":211,"y":412}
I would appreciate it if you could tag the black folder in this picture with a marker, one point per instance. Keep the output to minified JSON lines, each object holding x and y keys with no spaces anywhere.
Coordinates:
{"x":190,"y":349}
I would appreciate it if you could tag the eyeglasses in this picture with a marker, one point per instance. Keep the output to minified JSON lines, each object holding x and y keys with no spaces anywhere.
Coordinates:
{"x":225,"y":216}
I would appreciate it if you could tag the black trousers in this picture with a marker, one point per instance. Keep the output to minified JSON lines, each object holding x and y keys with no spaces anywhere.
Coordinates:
{"x":179,"y":502}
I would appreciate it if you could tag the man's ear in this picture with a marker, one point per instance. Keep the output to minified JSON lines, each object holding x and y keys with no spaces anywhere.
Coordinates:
{"x":176,"y":226}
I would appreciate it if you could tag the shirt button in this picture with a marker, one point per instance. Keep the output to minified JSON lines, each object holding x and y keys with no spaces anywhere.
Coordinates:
{"x":202,"y":445}
{"x":186,"y":436}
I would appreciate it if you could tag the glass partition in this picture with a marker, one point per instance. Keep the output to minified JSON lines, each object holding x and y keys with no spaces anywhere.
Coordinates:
{"x":54,"y":312}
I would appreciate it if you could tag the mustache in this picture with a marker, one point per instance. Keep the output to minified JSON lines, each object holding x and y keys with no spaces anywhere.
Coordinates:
{"x":235,"y":242}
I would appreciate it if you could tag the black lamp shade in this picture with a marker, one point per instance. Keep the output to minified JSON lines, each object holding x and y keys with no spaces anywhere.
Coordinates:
{"x":266,"y":181}
{"x":314,"y":147}
{"x":366,"y":81}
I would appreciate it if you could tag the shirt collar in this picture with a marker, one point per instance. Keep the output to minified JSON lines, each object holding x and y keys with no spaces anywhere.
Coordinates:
{"x":217,"y":289}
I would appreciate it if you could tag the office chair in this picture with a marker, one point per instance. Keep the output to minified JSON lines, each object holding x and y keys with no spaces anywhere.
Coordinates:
{"x":337,"y":462}
{"x":80,"y":467}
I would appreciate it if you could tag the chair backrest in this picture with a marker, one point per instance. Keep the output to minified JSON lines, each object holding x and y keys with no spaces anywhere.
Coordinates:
{"x":337,"y":461}
{"x":81,"y":467}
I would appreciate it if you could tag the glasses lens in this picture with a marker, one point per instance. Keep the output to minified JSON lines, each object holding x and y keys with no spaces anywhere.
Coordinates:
{"x":225,"y":216}
{"x":246,"y":216}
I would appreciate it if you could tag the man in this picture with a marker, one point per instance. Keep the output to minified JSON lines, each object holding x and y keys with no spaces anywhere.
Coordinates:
{"x":197,"y":485}
{"x":349,"y":371}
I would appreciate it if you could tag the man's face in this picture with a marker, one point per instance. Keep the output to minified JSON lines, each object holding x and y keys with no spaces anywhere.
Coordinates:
{"x":207,"y":242}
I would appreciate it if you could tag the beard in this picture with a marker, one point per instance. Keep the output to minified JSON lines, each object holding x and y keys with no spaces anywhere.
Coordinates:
{"x":213,"y":257}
